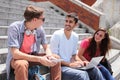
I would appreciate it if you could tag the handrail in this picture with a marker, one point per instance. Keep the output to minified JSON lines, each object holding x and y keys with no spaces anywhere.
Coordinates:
{"x":83,"y":5}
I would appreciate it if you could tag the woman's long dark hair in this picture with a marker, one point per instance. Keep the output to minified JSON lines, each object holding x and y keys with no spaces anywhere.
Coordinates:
{"x":104,"y":46}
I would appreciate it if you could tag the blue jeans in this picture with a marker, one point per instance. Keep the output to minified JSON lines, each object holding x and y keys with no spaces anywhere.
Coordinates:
{"x":95,"y":74}
{"x":105,"y":73}
{"x":74,"y":74}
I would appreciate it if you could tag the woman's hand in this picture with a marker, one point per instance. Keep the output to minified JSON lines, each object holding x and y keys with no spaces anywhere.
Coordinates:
{"x":86,"y":63}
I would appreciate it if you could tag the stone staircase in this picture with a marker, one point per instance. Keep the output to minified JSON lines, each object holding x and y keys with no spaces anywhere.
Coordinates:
{"x":49,"y":31}
{"x":12,"y":10}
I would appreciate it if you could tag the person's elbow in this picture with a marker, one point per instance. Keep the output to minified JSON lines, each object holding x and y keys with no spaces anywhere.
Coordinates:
{"x":14,"y":52}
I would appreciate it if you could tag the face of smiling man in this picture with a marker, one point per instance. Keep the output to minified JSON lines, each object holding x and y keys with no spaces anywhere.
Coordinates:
{"x":69,"y":23}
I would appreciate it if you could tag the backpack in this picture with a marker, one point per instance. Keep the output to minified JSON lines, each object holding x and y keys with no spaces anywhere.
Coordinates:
{"x":34,"y":74}
{"x":106,"y":64}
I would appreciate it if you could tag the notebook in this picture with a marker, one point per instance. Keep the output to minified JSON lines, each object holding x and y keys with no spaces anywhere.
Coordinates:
{"x":93,"y":62}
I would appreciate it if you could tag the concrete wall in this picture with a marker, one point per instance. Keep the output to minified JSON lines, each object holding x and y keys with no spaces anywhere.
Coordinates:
{"x":111,"y":10}
{"x":115,"y":30}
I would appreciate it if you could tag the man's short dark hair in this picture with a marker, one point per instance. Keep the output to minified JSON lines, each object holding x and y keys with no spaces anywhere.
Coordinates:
{"x":32,"y":12}
{"x":73,"y":15}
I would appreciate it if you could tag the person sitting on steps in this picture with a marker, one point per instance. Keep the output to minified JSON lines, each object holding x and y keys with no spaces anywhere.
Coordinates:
{"x":24,"y":38}
{"x":64,"y":43}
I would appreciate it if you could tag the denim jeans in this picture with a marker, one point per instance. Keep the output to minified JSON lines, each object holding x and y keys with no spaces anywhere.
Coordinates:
{"x":95,"y":74}
{"x":105,"y":73}
{"x":74,"y":74}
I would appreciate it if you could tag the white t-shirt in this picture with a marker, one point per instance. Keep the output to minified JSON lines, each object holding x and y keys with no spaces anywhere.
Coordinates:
{"x":62,"y":46}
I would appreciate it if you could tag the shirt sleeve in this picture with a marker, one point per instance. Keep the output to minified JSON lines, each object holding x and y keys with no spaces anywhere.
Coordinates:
{"x":75,"y":45}
{"x":54,"y":43}
{"x":43,"y":36}
{"x":13,"y":37}
{"x":84,"y":43}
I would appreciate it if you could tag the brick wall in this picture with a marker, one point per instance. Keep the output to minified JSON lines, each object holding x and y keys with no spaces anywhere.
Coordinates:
{"x":39,"y":0}
{"x":88,"y":2}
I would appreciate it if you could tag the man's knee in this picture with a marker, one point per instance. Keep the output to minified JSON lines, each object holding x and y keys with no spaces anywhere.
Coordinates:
{"x":21,"y":64}
{"x":58,"y":65}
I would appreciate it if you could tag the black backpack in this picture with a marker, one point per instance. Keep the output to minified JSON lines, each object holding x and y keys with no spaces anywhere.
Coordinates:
{"x":107,"y":64}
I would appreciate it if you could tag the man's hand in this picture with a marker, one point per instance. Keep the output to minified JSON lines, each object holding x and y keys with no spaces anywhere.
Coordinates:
{"x":45,"y":60}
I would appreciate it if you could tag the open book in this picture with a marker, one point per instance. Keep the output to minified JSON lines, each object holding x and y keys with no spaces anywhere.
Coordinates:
{"x":93,"y":62}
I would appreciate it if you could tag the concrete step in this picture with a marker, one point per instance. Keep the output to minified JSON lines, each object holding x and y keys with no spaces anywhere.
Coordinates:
{"x":114,"y":59}
{"x":10,"y":6}
{"x":16,"y":3}
{"x":13,"y":12}
{"x":48,"y":30}
{"x":4,"y":51}
{"x":2,"y":68}
{"x":7,"y":7}
{"x":3,"y":39}
{"x":81,"y":36}
{"x":3,"y":55}
{"x":114,"y":53}
{"x":116,"y":68}
{"x":19,"y":13}
{"x":48,"y":23}
{"x":10,"y":18}
{"x":3,"y":71}
{"x":48,"y":11}
{"x":3,"y":30}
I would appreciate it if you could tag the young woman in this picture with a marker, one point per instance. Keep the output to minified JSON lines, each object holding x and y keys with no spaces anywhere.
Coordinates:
{"x":98,"y":45}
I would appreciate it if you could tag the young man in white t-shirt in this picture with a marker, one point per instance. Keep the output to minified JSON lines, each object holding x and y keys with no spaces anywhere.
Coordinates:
{"x":64,"y":43}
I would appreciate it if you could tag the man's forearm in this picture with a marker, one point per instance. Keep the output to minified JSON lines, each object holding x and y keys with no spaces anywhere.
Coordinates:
{"x":63,"y":63}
